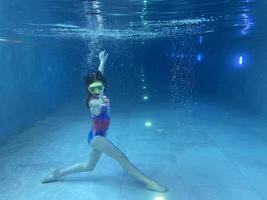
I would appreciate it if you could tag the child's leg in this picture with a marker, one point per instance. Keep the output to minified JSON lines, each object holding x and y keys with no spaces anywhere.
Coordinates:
{"x":94,"y":156}
{"x":103,"y":144}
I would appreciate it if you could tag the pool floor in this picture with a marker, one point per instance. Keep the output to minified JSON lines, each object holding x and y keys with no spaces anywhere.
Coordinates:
{"x":216,"y":152}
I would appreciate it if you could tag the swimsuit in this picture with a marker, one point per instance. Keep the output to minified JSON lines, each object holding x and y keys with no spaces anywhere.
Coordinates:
{"x":100,"y":123}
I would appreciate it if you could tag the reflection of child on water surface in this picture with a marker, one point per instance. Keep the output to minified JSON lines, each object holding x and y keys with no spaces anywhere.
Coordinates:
{"x":100,"y":112}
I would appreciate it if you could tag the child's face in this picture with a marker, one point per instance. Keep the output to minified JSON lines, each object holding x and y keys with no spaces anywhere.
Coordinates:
{"x":96,"y":88}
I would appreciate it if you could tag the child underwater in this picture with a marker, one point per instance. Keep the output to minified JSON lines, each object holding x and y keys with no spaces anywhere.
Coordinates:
{"x":100,"y":112}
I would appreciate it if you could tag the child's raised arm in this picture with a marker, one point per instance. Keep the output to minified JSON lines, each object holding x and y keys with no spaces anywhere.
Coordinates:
{"x":103,"y":58}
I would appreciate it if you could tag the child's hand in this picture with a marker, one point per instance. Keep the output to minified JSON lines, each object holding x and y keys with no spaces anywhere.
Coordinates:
{"x":103,"y":56}
{"x":104,"y":100}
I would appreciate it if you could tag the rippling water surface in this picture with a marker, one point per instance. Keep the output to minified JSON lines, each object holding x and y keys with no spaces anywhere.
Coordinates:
{"x":132,"y":19}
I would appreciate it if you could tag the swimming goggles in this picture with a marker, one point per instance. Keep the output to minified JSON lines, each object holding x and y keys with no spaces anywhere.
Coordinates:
{"x":96,"y":87}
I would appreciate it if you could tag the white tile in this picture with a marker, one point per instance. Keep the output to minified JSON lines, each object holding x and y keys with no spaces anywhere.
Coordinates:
{"x":247,"y":156}
{"x":206,"y":165}
{"x":213,"y":193}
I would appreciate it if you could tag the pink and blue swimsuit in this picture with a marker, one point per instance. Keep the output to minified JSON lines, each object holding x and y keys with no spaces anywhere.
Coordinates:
{"x":100,"y":123}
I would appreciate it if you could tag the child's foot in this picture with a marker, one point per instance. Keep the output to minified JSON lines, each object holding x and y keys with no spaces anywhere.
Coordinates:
{"x":156,"y":187}
{"x":51,"y":177}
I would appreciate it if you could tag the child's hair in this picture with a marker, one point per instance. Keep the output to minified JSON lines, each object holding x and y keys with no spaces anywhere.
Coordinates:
{"x":92,"y":77}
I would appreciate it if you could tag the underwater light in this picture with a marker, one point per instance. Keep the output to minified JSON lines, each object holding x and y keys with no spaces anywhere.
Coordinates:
{"x":143,"y":80}
{"x":240,"y":61}
{"x":144,"y":87}
{"x":145,"y":97}
{"x":148,"y":124}
{"x":199,"y":57}
{"x":158,"y":198}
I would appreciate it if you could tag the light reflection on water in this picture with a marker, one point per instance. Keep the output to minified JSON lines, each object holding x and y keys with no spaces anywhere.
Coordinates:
{"x":133,"y":19}
{"x":153,"y":30}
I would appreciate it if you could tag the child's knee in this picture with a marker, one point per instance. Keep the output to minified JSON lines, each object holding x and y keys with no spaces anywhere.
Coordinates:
{"x":87,"y":167}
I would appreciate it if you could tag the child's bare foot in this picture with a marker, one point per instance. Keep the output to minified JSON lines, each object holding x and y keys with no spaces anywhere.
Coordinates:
{"x":156,"y":187}
{"x":51,"y":177}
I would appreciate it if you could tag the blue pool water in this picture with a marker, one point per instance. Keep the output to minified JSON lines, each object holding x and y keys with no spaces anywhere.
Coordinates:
{"x":187,"y":83}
